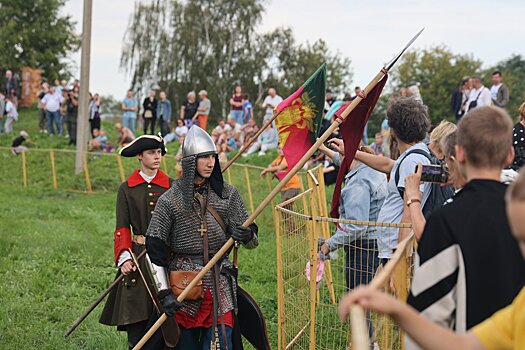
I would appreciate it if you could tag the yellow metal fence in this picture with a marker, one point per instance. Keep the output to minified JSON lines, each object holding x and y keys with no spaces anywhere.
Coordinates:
{"x":307,"y":306}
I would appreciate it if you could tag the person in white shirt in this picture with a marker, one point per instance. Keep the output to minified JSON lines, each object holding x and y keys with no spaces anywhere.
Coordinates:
{"x":270,"y":102}
{"x":479,"y":95}
{"x":266,"y":141}
{"x":218,"y":135}
{"x":11,"y":114}
{"x":51,"y":103}
{"x":499,"y":92}
{"x":178,"y":133}
{"x":236,"y":128}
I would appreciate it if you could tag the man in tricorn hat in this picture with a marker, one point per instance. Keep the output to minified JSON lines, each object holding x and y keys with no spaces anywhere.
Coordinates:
{"x":129,"y":305}
{"x":194,"y":219}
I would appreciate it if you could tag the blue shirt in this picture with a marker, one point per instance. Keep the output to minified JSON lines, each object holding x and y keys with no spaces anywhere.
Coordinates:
{"x":333,"y":108}
{"x":392,"y":209}
{"x":247,"y":105}
{"x":102,"y":140}
{"x":130,"y":103}
{"x":232,"y":143}
{"x":384,"y":124}
{"x":361,"y":199}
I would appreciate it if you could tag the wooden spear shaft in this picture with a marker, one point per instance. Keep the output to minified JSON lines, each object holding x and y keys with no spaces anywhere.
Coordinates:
{"x":358,"y":321}
{"x":100,"y":298}
{"x":116,"y":281}
{"x":335,"y":124}
{"x":252,"y":140}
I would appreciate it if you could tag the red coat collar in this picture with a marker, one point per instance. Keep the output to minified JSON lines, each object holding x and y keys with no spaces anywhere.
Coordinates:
{"x":160,"y":179}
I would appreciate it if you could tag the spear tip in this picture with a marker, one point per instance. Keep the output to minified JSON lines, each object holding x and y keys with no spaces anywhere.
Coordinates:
{"x":390,"y":64}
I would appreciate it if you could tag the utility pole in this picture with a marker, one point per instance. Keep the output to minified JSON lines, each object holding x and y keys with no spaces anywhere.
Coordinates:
{"x":83,"y":104}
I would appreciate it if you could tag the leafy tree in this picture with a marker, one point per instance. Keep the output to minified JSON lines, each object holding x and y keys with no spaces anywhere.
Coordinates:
{"x":195,"y":44}
{"x":513,"y":71}
{"x":438,"y":73}
{"x":33,"y":33}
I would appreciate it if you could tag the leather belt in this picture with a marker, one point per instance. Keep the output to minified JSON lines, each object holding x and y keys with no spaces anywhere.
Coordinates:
{"x":139,"y":239}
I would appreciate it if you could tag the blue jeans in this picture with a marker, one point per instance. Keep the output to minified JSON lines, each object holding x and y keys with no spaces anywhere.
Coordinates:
{"x":237,"y":115}
{"x":129,"y":123}
{"x":164,"y":127}
{"x":361,"y":264}
{"x":54,"y":117}
{"x":200,"y":338}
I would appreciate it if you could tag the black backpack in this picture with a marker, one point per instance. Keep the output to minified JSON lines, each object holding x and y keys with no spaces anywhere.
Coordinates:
{"x":438,"y":194}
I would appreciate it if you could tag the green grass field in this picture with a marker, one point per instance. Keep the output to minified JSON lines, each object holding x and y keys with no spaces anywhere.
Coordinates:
{"x":56,"y":247}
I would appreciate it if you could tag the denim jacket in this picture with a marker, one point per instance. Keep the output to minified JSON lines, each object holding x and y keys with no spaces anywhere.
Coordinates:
{"x":361,"y":199}
{"x":164,"y":110}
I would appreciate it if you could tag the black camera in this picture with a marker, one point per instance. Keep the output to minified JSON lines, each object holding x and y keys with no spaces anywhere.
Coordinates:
{"x":434,"y":173}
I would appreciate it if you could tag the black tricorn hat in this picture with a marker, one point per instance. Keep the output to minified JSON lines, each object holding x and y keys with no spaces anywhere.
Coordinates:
{"x":143,"y":143}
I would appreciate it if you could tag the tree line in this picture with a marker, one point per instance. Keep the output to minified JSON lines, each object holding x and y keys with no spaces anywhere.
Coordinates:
{"x":213,"y":45}
{"x":438,"y":72}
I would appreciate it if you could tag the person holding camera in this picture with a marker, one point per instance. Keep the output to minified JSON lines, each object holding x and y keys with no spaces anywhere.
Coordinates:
{"x":71,"y":115}
{"x":413,"y":181}
{"x":468,"y":265}
{"x":504,"y":330}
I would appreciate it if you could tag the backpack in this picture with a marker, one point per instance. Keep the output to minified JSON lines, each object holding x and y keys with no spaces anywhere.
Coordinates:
{"x":438,"y":194}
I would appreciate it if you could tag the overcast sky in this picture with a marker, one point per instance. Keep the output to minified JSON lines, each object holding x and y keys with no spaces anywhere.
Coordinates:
{"x":368,"y":32}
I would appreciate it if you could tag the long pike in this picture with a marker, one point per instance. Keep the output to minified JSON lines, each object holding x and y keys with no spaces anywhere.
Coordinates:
{"x":335,"y":124}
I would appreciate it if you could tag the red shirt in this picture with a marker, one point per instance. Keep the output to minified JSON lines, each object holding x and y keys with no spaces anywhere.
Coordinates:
{"x":204,"y":317}
{"x":236,"y":98}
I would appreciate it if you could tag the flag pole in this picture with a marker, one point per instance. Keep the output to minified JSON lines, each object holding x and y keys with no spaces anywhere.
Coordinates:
{"x":252,"y":140}
{"x":335,"y":124}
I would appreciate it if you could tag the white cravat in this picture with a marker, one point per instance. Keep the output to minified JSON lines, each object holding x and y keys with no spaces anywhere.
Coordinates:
{"x":147,"y":178}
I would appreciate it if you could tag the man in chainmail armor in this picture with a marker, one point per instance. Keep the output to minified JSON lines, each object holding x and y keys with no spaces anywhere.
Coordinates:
{"x":199,"y":208}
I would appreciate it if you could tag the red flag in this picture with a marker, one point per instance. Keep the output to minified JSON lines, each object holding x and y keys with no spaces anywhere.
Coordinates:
{"x":300,"y":118}
{"x":352,"y":132}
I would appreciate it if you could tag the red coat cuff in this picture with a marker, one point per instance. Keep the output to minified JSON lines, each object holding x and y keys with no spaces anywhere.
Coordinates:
{"x":122,"y":241}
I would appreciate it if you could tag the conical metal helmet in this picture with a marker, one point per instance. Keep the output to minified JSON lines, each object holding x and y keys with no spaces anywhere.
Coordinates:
{"x":197,"y":142}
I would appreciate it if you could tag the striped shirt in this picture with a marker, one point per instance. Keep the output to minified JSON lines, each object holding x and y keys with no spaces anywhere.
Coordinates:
{"x":468,"y":264}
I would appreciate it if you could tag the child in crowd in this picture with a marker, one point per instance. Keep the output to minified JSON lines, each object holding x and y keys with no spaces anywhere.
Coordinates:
{"x":176,"y":133}
{"x":458,"y":238}
{"x":247,"y":109}
{"x":17,"y":146}
{"x":504,"y":330}
{"x":99,"y":141}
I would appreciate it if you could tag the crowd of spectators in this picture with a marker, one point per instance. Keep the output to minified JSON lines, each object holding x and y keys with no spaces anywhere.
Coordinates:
{"x":457,"y":223}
